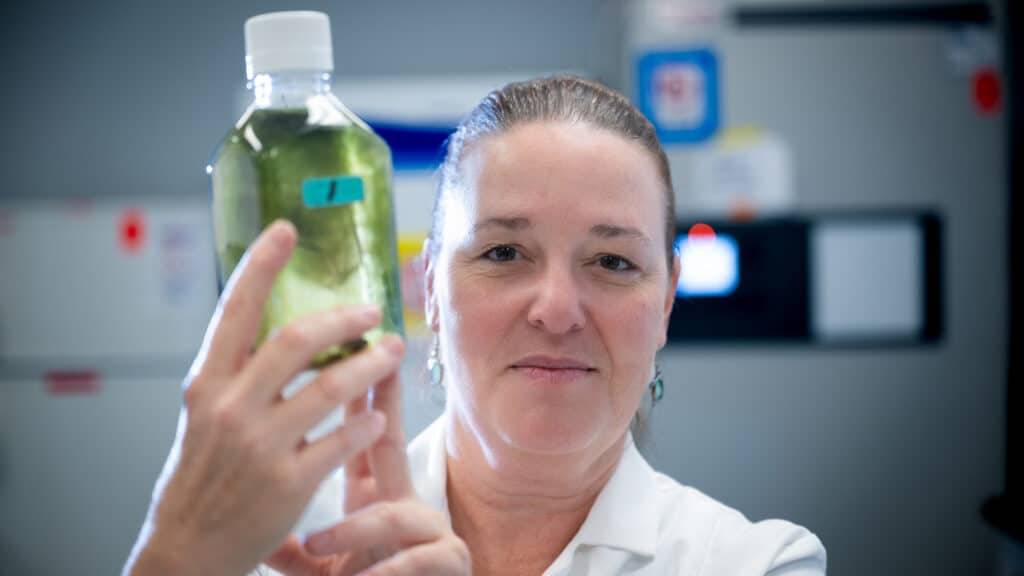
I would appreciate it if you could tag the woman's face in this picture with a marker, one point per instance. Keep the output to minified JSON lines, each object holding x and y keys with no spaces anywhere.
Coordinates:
{"x":551,"y":292}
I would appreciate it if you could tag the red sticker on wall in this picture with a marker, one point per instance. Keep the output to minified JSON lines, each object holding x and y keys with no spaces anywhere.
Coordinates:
{"x":132,"y":231}
{"x":72,"y":382}
{"x":986,"y":90}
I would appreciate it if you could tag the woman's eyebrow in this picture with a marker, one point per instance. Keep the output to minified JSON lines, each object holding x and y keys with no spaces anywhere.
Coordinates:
{"x":600,"y":230}
{"x":612,"y":231}
{"x":517,"y":223}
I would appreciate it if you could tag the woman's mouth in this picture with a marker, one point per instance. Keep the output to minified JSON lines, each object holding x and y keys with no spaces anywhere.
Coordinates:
{"x":552,"y":369}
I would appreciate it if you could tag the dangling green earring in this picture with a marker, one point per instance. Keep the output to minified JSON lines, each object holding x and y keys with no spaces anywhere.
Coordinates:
{"x":657,"y":386}
{"x":435,"y":372}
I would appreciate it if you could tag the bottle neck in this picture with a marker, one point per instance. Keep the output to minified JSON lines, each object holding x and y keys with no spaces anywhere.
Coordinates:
{"x":288,"y":89}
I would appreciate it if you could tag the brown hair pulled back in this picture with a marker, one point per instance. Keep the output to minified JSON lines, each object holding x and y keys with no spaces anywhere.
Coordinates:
{"x":553,"y":99}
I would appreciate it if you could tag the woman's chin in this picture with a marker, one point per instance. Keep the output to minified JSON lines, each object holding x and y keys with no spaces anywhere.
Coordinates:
{"x":550,"y":434}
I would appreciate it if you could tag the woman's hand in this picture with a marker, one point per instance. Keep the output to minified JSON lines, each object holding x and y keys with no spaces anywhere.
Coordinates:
{"x":243,"y":471}
{"x":387,"y":530}
{"x":390,"y":538}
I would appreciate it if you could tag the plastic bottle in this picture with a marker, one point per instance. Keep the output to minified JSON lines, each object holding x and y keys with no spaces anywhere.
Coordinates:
{"x":297,"y":153}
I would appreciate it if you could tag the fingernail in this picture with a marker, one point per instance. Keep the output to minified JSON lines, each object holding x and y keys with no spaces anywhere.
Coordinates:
{"x":393,"y":344}
{"x":377,"y":422}
{"x":278,"y":229}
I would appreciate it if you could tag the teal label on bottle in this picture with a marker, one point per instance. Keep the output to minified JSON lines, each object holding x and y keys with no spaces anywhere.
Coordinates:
{"x":333,"y":191}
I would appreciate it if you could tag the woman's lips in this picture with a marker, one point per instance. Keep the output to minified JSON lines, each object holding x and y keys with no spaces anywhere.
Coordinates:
{"x":552,"y":363}
{"x":551,"y":374}
{"x":552,"y":369}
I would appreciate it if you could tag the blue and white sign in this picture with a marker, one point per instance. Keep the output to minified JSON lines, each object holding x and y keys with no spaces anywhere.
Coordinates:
{"x":678,"y":92}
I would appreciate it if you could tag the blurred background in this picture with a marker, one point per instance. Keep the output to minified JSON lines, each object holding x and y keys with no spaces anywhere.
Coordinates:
{"x":840,"y":350}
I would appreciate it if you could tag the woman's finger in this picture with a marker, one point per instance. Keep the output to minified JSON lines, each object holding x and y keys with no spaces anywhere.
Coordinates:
{"x":291,"y":349}
{"x":388,"y":459}
{"x":449,"y":556}
{"x":292,"y":560}
{"x":358,"y":467}
{"x":235,"y":324}
{"x":384,"y":525}
{"x":360,"y":486}
{"x":318,"y":459}
{"x":336,"y":385}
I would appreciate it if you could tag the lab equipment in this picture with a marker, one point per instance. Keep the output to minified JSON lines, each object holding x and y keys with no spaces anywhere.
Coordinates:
{"x":860,"y":279}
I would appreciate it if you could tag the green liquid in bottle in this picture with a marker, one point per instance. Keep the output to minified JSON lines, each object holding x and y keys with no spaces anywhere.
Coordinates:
{"x":346,"y":251}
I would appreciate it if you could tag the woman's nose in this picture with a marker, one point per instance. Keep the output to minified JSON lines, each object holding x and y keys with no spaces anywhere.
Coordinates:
{"x":557,"y":306}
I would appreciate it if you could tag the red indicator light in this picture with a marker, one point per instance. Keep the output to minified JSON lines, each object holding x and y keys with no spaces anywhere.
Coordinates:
{"x":701,"y":231}
{"x":132,"y":231}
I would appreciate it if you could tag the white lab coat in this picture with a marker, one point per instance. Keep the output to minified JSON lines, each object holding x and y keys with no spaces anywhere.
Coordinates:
{"x":642,"y":523}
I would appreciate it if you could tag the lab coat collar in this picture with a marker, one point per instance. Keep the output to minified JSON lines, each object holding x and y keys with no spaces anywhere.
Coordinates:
{"x":428,"y":461}
{"x":624,"y":516}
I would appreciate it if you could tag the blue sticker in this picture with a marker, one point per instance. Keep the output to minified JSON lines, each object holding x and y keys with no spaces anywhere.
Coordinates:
{"x":678,"y":92}
{"x":333,"y":191}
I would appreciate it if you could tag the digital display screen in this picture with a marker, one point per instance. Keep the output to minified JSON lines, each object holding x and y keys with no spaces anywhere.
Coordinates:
{"x":836,"y":279}
{"x":709,"y":265}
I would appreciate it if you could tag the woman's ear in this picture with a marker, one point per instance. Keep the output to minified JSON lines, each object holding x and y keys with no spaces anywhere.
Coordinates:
{"x":430,"y":308}
{"x":670,"y":298}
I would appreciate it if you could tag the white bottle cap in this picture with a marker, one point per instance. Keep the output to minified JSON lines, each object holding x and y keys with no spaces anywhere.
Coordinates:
{"x":288,"y":42}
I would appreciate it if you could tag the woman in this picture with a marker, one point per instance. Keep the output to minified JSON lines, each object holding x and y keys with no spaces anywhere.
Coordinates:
{"x":550,"y":276}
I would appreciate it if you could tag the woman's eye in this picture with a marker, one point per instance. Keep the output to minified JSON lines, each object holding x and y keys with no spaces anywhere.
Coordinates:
{"x":501,"y":254}
{"x":616,"y":263}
